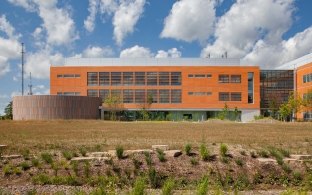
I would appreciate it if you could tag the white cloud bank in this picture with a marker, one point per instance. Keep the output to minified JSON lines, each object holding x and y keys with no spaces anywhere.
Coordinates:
{"x":143,"y":52}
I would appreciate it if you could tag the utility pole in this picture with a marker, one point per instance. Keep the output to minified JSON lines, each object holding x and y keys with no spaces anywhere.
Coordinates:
{"x":22,"y":69}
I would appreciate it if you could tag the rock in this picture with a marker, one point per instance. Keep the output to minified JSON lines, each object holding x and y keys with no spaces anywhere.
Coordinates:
{"x":83,"y":159}
{"x":161,"y":147}
{"x":266,"y":160}
{"x":173,"y":153}
{"x":14,"y":156}
{"x":301,"y":156}
{"x":289,"y":160}
{"x":112,"y":153}
{"x":3,"y":146}
{"x":131,"y":152}
{"x":98,"y":154}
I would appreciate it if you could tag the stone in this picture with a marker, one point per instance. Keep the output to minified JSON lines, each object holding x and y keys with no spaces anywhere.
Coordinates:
{"x":3,"y":146}
{"x":173,"y":153}
{"x":14,"y":156}
{"x":301,"y":156}
{"x":83,"y":159}
{"x":142,"y":151}
{"x":161,"y":147}
{"x":98,"y":154}
{"x":266,"y":160}
{"x":289,"y":160}
{"x":112,"y":153}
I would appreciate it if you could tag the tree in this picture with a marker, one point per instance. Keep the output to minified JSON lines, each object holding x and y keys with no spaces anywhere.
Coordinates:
{"x":236,"y":113}
{"x":144,"y":107}
{"x":113,"y":104}
{"x":295,"y":103}
{"x":285,"y":111}
{"x":307,"y":101}
{"x":273,"y":107}
{"x":8,"y":111}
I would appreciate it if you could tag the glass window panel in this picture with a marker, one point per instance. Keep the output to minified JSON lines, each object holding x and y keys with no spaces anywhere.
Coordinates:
{"x":176,"y":96}
{"x":128,"y":96}
{"x":116,"y":78}
{"x":190,"y":75}
{"x":92,"y":92}
{"x":164,"y":78}
{"x":59,"y":76}
{"x":236,"y":96}
{"x":128,"y":78}
{"x":116,"y":93}
{"x":235,"y":78}
{"x":209,"y":75}
{"x":164,"y":96}
{"x":224,"y":78}
{"x":92,"y":79}
{"x":250,"y":87}
{"x":176,"y":78}
{"x":139,"y":78}
{"x":224,"y":96}
{"x":200,"y":76}
{"x":151,"y":78}
{"x":77,"y":75}
{"x":69,"y":76}
{"x":104,"y":78}
{"x":139,"y":96}
{"x":104,"y":93}
{"x":152,"y":93}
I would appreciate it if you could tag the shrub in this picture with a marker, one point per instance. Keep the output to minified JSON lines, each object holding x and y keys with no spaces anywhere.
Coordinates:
{"x":263,"y":153}
{"x":68,"y":155}
{"x":35,"y":162}
{"x":223,"y":149}
{"x":202,"y":187}
{"x":41,"y":179}
{"x":242,"y":183}
{"x":86,"y":169}
{"x":17,"y":171}
{"x":278,"y":156}
{"x":153,"y":178}
{"x":286,"y":168}
{"x":161,"y":155}
{"x":239,"y":162}
{"x":139,"y":187}
{"x":204,"y":153}
{"x":83,"y":151}
{"x":225,"y":160}
{"x":194,"y":161}
{"x":56,"y":167}
{"x":285,"y":153}
{"x":75,"y":167}
{"x":119,"y":152}
{"x":47,"y":157}
{"x":73,"y":181}
{"x":188,"y":148}
{"x":31,"y":192}
{"x":243,"y":152}
{"x":7,"y":169}
{"x":25,"y":154}
{"x":98,"y":191}
{"x":168,"y":187}
{"x":25,"y":166}
{"x":148,"y":158}
{"x":297,"y":178}
{"x":137,"y":164}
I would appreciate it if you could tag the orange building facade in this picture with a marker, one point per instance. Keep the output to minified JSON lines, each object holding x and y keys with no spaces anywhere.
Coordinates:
{"x":187,"y":88}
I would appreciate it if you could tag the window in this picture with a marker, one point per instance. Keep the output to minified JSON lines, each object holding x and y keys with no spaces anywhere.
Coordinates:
{"x":77,"y":75}
{"x":164,"y":78}
{"x":104,"y":93}
{"x":224,"y":96}
{"x":209,"y":93}
{"x":224,"y":78}
{"x":116,"y":78}
{"x":164,"y":96}
{"x":307,"y":78}
{"x":59,"y":76}
{"x":151,"y":78}
{"x":116,"y":93}
{"x":190,"y":93}
{"x":200,"y":76}
{"x":128,"y":78}
{"x":176,"y":96}
{"x":139,"y":96}
{"x":209,"y":75}
{"x":176,"y":78}
{"x":59,"y":93}
{"x":92,"y":78}
{"x":199,"y":93}
{"x":307,"y":116}
{"x":128,"y":96}
{"x":139,"y":78}
{"x":235,"y":78}
{"x":236,"y":96}
{"x":190,"y":76}
{"x":92,"y":93}
{"x":250,"y":87}
{"x":104,"y":78}
{"x":69,"y":76}
{"x":152,"y":95}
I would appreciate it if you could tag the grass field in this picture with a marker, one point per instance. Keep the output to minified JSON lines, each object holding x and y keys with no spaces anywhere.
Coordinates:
{"x":102,"y":135}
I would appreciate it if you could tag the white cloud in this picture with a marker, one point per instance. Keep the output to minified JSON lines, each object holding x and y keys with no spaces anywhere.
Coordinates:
{"x":171,"y":53}
{"x":136,"y":52}
{"x":39,"y":63}
{"x":246,"y":22}
{"x":190,"y":20}
{"x":7,"y":28}
{"x":97,"y":52}
{"x":27,"y":4}
{"x":40,"y":90}
{"x":126,"y":14}
{"x":89,"y":22}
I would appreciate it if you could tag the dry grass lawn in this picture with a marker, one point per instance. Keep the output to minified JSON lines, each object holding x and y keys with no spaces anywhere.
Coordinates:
{"x":102,"y":135}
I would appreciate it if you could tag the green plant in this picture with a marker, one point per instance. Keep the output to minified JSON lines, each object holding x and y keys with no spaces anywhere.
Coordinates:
{"x":148,"y":158}
{"x":243,"y":152}
{"x":297,"y":178}
{"x":99,"y":191}
{"x":286,"y":168}
{"x":119,"y":152}
{"x":137,"y":164}
{"x":153,"y":178}
{"x":225,"y":160}
{"x":187,"y":149}
{"x":87,"y":169}
{"x":204,"y":153}
{"x":35,"y":162}
{"x":263,"y":153}
{"x":139,"y":186}
{"x":161,"y":155}
{"x":242,"y":182}
{"x":239,"y":162}
{"x":83,"y":151}
{"x":202,"y":187}
{"x":284,"y":152}
{"x":41,"y":179}
{"x":25,"y":166}
{"x":7,"y":169}
{"x":47,"y":157}
{"x":194,"y":161}
{"x":223,"y":149}
{"x":25,"y":154}
{"x":168,"y":187}
{"x":56,"y":167}
{"x":17,"y":171}
{"x":67,"y":155}
{"x":75,"y":167}
{"x":31,"y":192}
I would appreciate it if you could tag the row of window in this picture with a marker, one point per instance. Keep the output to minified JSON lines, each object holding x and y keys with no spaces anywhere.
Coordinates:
{"x":199,"y":75}
{"x":140,"y":95}
{"x":227,"y":96}
{"x":69,"y":93}
{"x":225,"y":78}
{"x":199,"y":93}
{"x":134,"y":78}
{"x":307,"y":96}
{"x":307,"y":115}
{"x":68,"y":76}
{"x":307,"y":78}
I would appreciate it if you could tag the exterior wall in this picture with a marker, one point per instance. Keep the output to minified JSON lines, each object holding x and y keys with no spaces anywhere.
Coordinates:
{"x":301,"y":87}
{"x":47,"y":107}
{"x":188,"y":84}
{"x":248,"y":115}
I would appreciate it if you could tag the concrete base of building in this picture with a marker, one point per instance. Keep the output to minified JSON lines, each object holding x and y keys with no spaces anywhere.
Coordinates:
{"x":249,"y":115}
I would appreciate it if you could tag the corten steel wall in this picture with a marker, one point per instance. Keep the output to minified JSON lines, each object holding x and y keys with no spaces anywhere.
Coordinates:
{"x":303,"y":88}
{"x":47,"y":107}
{"x":188,"y":84}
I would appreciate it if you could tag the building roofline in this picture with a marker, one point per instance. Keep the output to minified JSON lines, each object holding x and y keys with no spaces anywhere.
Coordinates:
{"x":296,"y":63}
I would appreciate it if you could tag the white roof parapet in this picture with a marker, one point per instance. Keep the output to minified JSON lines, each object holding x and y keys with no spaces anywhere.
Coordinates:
{"x":152,"y":62}
{"x":296,"y":63}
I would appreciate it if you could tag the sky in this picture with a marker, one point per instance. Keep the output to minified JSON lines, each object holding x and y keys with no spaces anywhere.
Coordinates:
{"x":267,"y":33}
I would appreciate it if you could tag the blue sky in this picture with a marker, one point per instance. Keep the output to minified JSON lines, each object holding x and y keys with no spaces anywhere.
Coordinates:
{"x":263,"y":32}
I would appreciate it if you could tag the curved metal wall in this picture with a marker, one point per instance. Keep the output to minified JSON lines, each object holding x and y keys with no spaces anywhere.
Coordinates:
{"x":47,"y":107}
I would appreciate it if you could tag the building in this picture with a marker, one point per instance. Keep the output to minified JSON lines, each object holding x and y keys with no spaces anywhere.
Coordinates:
{"x":195,"y":89}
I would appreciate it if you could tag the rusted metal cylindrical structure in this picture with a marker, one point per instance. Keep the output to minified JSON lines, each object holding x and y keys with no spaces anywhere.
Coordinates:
{"x":49,"y":107}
